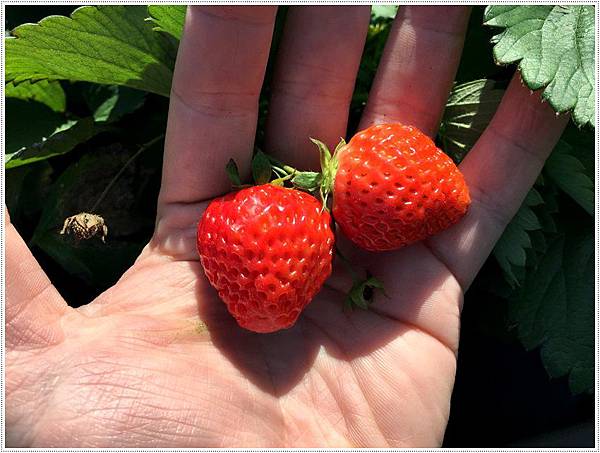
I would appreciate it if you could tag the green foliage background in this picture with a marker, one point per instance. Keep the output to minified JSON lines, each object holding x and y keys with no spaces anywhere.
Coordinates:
{"x":85,"y":92}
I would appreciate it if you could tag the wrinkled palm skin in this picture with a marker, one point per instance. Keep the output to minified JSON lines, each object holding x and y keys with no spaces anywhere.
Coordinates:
{"x":138,"y":367}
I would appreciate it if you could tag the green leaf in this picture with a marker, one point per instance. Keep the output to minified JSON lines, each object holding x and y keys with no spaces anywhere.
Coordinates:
{"x":469,"y":110}
{"x":99,"y":44}
{"x":510,"y":250}
{"x":383,"y":11}
{"x":26,"y":191}
{"x":110,"y":102}
{"x":63,"y":140}
{"x":168,"y":18}
{"x":555,"y":309}
{"x":583,"y":143}
{"x":261,"y":168}
{"x":570,"y":175}
{"x":555,"y":47}
{"x":20,"y":14}
{"x":377,"y":35}
{"x":50,"y":94}
{"x":28,"y":122}
{"x":550,"y":208}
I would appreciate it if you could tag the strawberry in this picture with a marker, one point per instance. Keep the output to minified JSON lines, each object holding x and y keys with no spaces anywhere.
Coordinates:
{"x":267,"y":250}
{"x":392,"y":186}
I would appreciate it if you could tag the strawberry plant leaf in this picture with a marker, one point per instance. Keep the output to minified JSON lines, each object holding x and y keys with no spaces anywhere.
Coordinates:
{"x":110,"y":102}
{"x":50,"y":94}
{"x":583,"y":143}
{"x":469,"y":110}
{"x":61,"y":141}
{"x":554,"y":309}
{"x":168,"y":18}
{"x":26,"y":190}
{"x":28,"y":121}
{"x":377,"y":35}
{"x":99,"y":44}
{"x":511,"y":249}
{"x":554,"y":46}
{"x":383,"y":11}
{"x":571,"y":176}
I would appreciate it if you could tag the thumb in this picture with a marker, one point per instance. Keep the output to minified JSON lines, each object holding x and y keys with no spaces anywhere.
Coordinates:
{"x":33,"y":305}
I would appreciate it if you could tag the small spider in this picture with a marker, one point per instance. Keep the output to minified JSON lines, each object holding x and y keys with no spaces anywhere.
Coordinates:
{"x":85,"y":226}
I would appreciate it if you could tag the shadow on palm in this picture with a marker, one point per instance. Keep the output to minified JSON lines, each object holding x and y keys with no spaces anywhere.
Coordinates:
{"x":277,"y":362}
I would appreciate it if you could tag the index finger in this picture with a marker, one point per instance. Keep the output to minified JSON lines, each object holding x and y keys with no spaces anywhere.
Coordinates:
{"x":214,"y":99}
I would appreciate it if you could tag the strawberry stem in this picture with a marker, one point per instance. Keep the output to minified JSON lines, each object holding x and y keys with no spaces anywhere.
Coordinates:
{"x":309,"y":181}
{"x":279,"y":181}
{"x":279,"y":171}
{"x":112,"y":182}
{"x":275,"y":163}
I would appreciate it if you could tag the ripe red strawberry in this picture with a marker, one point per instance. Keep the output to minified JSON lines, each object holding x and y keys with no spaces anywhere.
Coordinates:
{"x":392,"y":186}
{"x":267,"y":250}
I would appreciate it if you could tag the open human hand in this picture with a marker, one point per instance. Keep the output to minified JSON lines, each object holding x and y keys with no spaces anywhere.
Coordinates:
{"x":156,"y":360}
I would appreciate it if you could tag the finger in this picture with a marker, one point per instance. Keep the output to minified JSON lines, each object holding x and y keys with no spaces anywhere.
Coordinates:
{"x":418,"y":67}
{"x":214,"y":99}
{"x":316,"y":69}
{"x":499,"y":172}
{"x":33,"y":305}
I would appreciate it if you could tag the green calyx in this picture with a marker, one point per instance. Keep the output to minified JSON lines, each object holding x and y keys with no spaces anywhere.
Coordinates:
{"x":264,"y":167}
{"x":363,"y":290}
{"x":329,"y":166}
{"x":261,"y":168}
{"x":233,"y":173}
{"x":312,"y":181}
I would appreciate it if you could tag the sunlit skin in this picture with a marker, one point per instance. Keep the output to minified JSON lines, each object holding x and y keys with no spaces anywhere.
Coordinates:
{"x":156,"y":360}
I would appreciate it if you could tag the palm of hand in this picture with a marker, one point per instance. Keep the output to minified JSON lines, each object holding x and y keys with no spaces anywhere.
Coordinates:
{"x":157,"y":360}
{"x":137,"y":368}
